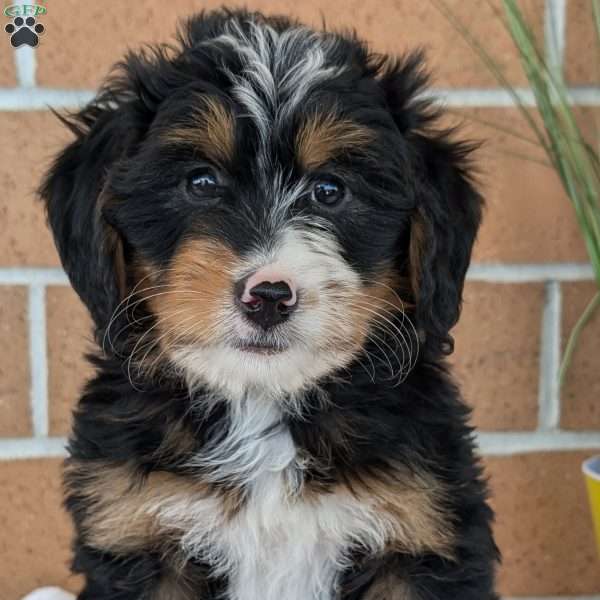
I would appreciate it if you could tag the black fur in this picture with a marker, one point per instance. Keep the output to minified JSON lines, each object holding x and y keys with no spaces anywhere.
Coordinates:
{"x":413,"y":177}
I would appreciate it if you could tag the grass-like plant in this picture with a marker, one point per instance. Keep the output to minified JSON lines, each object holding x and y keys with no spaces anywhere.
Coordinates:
{"x":555,"y":129}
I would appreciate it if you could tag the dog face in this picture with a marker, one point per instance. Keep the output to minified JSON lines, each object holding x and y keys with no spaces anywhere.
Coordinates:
{"x":270,"y":203}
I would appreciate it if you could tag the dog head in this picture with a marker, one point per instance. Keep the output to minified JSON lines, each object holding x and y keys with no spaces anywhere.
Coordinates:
{"x":269,"y":201}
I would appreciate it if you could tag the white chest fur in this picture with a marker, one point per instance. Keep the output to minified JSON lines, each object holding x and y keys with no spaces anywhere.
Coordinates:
{"x":276,"y":544}
{"x":281,"y":545}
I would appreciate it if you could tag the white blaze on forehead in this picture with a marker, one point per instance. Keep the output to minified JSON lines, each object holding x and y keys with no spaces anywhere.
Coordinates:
{"x":282,"y":194}
{"x":279,"y":69}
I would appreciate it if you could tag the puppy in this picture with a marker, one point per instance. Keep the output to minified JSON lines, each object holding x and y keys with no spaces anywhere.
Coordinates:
{"x":271,"y":236}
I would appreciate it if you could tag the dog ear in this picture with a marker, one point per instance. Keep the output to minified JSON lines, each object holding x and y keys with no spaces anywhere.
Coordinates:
{"x":90,"y":250}
{"x":442,"y":232}
{"x":447,"y":208}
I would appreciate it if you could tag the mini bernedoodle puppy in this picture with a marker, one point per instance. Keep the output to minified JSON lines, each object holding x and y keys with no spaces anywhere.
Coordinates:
{"x":271,"y":234}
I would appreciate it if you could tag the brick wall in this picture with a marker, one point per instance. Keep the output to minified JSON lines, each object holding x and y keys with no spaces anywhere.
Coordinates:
{"x":527,"y":285}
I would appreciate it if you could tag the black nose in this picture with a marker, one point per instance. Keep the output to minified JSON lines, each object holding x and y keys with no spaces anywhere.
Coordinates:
{"x":268,"y":304}
{"x":272,"y":292}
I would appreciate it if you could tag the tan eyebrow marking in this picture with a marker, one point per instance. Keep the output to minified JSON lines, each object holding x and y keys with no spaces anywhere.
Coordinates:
{"x":210,"y":128}
{"x":323,"y":136}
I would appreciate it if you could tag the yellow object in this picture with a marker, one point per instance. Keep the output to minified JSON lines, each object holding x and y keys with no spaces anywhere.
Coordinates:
{"x":591,"y":470}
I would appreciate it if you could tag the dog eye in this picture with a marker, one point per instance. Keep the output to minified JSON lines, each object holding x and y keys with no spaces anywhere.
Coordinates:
{"x":328,"y":192}
{"x":202,"y":179}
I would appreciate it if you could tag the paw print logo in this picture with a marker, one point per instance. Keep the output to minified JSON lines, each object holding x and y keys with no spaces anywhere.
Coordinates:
{"x":24,"y":31}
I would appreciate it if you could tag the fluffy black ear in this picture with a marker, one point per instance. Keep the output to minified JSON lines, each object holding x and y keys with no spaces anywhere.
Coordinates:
{"x":447,"y":209}
{"x":443,"y":229}
{"x":90,"y":250}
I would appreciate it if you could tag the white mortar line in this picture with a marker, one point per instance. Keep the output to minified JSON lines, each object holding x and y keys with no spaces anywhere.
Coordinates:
{"x":483,"y":97}
{"x":25,"y":62}
{"x":555,"y":25}
{"x":40,"y":98}
{"x":585,"y":95}
{"x":501,"y":443}
{"x":501,"y":98}
{"x":498,"y":98}
{"x":38,"y":360}
{"x":516,"y":273}
{"x":490,"y":272}
{"x":492,"y":443}
{"x":36,"y":98}
{"x":33,"y":276}
{"x":17,"y":448}
{"x":549,"y":389}
{"x":25,"y":66}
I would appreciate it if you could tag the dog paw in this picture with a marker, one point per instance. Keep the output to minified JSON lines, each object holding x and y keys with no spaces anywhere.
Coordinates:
{"x":24,"y":31}
{"x":49,"y":593}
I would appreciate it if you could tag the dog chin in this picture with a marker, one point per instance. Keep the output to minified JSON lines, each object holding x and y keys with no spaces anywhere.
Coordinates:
{"x":239,"y":372}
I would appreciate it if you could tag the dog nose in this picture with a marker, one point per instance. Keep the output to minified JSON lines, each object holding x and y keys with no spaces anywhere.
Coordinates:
{"x":278,"y":292}
{"x":266,"y":303}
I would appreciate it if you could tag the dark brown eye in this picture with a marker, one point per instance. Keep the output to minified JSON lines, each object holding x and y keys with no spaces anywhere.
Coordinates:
{"x":328,"y":192}
{"x":202,"y":179}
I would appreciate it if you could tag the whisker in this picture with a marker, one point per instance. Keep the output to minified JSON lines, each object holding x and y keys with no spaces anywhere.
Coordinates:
{"x":405,"y":343}
{"x":156,"y":342}
{"x":129,"y":296}
{"x":179,"y":291}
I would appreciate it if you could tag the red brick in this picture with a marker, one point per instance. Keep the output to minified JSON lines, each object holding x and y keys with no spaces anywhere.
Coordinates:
{"x":581,"y":48}
{"x":69,"y":339}
{"x":581,"y":392}
{"x":496,"y":356}
{"x":543,"y":525}
{"x":7,"y":61}
{"x":528,"y":217}
{"x":32,"y":138}
{"x":78,"y":49}
{"x":36,"y":533}
{"x":15,"y":417}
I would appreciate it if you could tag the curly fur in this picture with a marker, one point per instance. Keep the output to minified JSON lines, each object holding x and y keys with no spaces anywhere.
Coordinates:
{"x":339,"y":465}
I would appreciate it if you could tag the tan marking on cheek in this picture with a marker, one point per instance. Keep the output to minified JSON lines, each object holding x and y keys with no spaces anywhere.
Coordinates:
{"x":376,"y":302}
{"x":352,"y":313}
{"x":121,"y":508}
{"x":343,"y":334}
{"x":211,"y":131}
{"x":359,"y":309}
{"x":200,"y":285}
{"x":323,"y":137}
